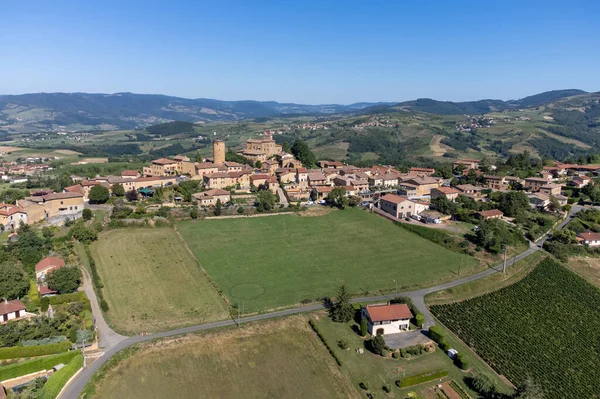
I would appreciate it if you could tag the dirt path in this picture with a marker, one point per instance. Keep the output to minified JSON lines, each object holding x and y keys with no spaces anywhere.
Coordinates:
{"x":437,"y":148}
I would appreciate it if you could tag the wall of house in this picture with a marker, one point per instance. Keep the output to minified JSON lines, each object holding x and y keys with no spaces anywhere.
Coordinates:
{"x":389,"y":207}
{"x":63,"y":207}
{"x":35,"y":212}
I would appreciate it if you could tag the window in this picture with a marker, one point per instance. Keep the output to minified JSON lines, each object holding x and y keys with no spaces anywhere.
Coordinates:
{"x":61,"y":202}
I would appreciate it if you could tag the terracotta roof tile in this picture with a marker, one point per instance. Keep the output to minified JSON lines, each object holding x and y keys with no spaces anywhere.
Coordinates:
{"x":389,"y":312}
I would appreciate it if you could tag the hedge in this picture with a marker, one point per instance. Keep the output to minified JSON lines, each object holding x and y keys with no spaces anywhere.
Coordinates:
{"x":78,"y":296}
{"x":17,"y":352}
{"x":461,"y":361}
{"x":436,"y":236}
{"x":423,"y":377}
{"x":57,"y":381}
{"x":32,"y":366}
{"x":437,"y":334}
{"x":96,"y":280}
{"x":322,"y":338}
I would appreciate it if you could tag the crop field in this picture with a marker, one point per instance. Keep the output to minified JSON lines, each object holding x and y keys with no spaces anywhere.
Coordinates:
{"x":276,"y":261}
{"x":275,"y":359}
{"x":151,"y":282}
{"x":546,"y":327}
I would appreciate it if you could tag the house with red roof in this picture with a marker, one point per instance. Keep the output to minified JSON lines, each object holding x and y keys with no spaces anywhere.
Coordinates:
{"x":387,"y":318}
{"x":47,"y":265}
{"x":400,"y":207}
{"x":11,"y":310}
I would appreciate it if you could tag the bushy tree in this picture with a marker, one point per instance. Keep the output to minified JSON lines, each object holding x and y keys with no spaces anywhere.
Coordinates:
{"x":363,"y":327}
{"x":337,"y":198}
{"x":265,"y":200}
{"x":87,"y":214}
{"x":118,"y":190}
{"x":194,"y":212}
{"x":341,"y":310}
{"x":529,"y":389}
{"x":13,"y":281}
{"x":64,"y":280}
{"x":218,"y":208}
{"x":303,"y":153}
{"x":131,"y":195}
{"x":98,"y":194}
{"x":443,"y":205}
{"x":83,"y":234}
{"x":30,"y":248}
{"x":564,"y":236}
{"x":377,"y":345}
{"x":483,"y":384}
{"x":513,"y":203}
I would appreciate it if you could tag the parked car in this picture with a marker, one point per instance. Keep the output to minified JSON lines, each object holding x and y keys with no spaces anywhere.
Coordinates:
{"x":323,"y":202}
{"x":416,"y":217}
{"x":407,"y":219}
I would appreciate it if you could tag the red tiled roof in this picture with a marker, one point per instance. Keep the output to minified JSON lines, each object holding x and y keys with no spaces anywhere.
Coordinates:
{"x":55,"y":196}
{"x":129,"y":173}
{"x":589,"y":236}
{"x":163,"y":161}
{"x":324,"y":189}
{"x":43,"y":290}
{"x":447,"y":190}
{"x":491,"y":212}
{"x":51,"y":261}
{"x":75,"y":189}
{"x":393,"y":198}
{"x":216,"y":191}
{"x":394,"y":311}
{"x":259,"y":177}
{"x":11,"y":306}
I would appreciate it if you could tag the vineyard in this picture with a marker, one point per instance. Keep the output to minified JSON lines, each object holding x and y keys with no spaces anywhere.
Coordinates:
{"x":546,"y":326}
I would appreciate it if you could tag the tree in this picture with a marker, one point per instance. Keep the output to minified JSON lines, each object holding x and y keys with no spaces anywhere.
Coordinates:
{"x":194,"y":212}
{"x":513,"y":203}
{"x":377,"y":345}
{"x":363,"y":327}
{"x":30,"y":247}
{"x":118,"y":190}
{"x":84,"y":336}
{"x":303,"y":154}
{"x":258,"y":164}
{"x":554,"y":205}
{"x":483,"y":384}
{"x":529,"y":389}
{"x":218,"y":208}
{"x":87,"y":214}
{"x":265,"y":200}
{"x":13,"y":281}
{"x":83,"y":234}
{"x":337,"y":198}
{"x":341,"y":310}
{"x":564,"y":236}
{"x":64,"y":280}
{"x":198,"y":157}
{"x":443,"y":205}
{"x":131,"y":195}
{"x":98,"y":194}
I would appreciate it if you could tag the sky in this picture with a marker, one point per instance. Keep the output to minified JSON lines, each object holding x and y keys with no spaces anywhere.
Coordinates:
{"x":306,"y":51}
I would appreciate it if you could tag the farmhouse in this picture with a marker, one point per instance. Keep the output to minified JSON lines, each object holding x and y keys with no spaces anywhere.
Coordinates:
{"x":589,"y":238}
{"x":550,"y":189}
{"x":449,"y":193}
{"x":210,"y":197}
{"x":11,"y":216}
{"x":579,"y":181}
{"x":491,"y":214}
{"x":47,"y":265}
{"x":11,"y":310}
{"x":317,"y":179}
{"x":330,"y":164}
{"x":400,"y":207}
{"x":54,"y":208}
{"x":534,"y":184}
{"x":469,"y":190}
{"x":387,"y":318}
{"x":496,"y":182}
{"x":418,"y":186}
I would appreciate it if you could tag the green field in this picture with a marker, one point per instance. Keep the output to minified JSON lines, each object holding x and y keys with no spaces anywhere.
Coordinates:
{"x":276,"y":359}
{"x":152,"y":283}
{"x":276,"y":261}
{"x":545,"y":327}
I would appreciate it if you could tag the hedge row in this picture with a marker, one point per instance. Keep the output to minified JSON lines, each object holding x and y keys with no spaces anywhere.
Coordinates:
{"x":17,"y":352}
{"x":436,"y":236}
{"x":423,"y":377}
{"x":96,"y":280}
{"x":461,"y":361}
{"x":35,"y":365}
{"x":57,"y":381}
{"x":78,"y":296}
{"x":322,"y":338}
{"x":437,"y":334}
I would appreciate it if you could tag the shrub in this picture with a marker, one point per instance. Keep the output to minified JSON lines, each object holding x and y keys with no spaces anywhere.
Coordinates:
{"x":377,"y":345}
{"x":396,"y":355}
{"x":343,"y":344}
{"x":32,"y":366}
{"x":87,"y":214}
{"x":44,"y":302}
{"x":363,"y":327}
{"x":64,"y":280}
{"x":240,"y":210}
{"x":17,"y":352}
{"x":461,"y":361}
{"x":57,"y":381}
{"x":364,"y":385}
{"x":386,"y":388}
{"x":437,"y":334}
{"x":420,"y":319}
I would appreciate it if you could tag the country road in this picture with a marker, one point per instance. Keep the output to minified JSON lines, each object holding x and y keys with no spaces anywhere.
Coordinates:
{"x":116,"y":342}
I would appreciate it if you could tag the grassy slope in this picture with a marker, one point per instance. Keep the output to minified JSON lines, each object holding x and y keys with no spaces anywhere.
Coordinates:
{"x":276,"y":359}
{"x":152,"y":282}
{"x":281,"y":260}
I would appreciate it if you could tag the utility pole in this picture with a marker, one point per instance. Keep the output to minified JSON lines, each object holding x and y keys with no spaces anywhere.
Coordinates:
{"x":504,"y":264}
{"x":83,"y":350}
{"x":395,"y":282}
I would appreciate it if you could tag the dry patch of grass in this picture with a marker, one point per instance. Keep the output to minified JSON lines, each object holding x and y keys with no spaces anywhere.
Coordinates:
{"x":316,"y":211}
{"x":275,"y":359}
{"x":587,"y":267}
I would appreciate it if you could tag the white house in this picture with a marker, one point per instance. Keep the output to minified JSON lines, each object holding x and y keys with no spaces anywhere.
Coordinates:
{"x":387,"y":318}
{"x":11,"y":310}
{"x":589,"y":238}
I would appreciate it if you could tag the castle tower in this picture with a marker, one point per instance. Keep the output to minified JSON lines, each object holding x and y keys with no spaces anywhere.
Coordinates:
{"x":219,"y":152}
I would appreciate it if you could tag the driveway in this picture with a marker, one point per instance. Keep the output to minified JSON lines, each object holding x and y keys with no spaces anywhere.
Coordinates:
{"x":404,"y":339}
{"x":282,"y":199}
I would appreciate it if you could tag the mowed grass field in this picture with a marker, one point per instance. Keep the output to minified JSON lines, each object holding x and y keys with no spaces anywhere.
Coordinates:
{"x":275,"y":359}
{"x":275,"y":261}
{"x":151,"y":282}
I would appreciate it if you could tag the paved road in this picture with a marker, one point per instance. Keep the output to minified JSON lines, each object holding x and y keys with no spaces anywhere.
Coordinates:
{"x":115,"y":342}
{"x":282,"y":198}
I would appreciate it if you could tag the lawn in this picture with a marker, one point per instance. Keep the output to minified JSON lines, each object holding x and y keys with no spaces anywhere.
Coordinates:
{"x":275,"y":359}
{"x":276,"y":261}
{"x":545,"y":327}
{"x":151,"y":282}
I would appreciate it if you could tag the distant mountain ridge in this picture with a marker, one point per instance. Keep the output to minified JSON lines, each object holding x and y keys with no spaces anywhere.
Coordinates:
{"x":84,"y":111}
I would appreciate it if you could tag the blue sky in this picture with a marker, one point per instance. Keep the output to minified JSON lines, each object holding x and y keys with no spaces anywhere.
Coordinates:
{"x":301,"y":51}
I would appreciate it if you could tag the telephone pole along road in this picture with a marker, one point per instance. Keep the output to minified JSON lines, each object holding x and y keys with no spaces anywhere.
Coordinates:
{"x":116,"y":342}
